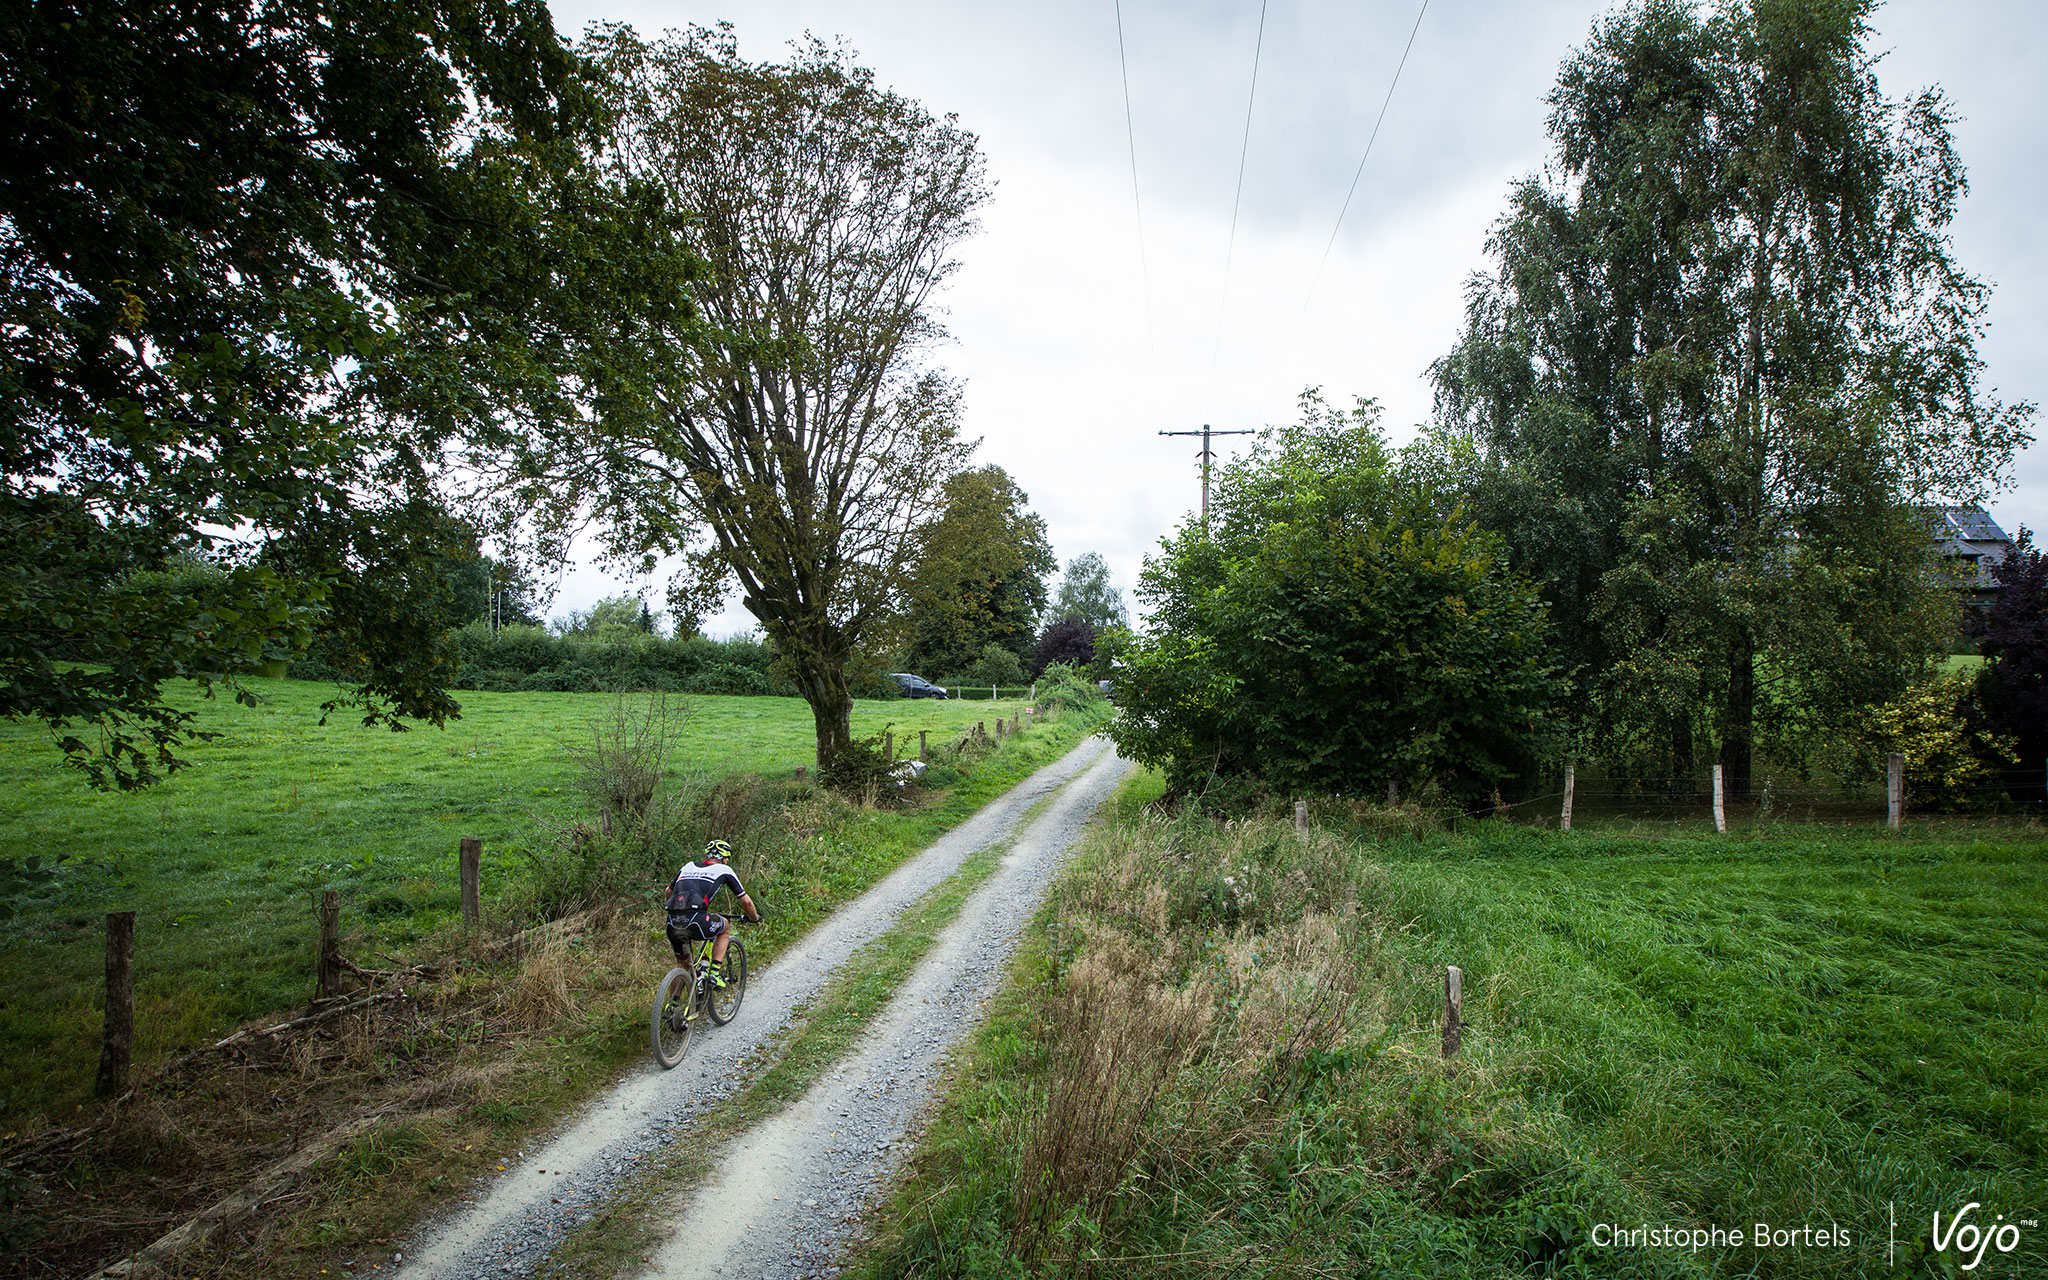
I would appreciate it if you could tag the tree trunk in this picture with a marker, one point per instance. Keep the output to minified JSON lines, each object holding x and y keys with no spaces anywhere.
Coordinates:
{"x":1740,"y":721}
{"x":831,"y":705}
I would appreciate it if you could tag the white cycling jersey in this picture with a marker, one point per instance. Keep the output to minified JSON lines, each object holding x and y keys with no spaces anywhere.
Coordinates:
{"x":699,"y":882}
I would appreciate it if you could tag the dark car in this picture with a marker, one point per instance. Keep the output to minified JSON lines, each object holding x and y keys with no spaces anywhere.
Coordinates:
{"x":917,"y":686}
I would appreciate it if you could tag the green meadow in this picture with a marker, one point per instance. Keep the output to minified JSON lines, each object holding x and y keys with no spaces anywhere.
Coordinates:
{"x":1835,"y":1031}
{"x":224,"y":861}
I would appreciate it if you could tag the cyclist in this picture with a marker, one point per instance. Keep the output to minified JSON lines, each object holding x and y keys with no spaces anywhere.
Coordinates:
{"x":689,"y":906}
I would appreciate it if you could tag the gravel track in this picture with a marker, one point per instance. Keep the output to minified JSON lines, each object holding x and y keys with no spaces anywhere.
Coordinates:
{"x":548,"y":1190}
{"x":781,"y":1203}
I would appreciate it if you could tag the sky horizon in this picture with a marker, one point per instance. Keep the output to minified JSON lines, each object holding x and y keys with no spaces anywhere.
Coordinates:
{"x":1080,"y":331}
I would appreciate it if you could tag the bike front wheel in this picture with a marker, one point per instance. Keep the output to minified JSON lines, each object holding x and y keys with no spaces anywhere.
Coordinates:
{"x":675,"y":1016}
{"x":725,"y":1000}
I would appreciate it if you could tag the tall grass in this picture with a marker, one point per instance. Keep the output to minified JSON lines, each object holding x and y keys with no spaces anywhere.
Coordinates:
{"x":1224,"y":1057}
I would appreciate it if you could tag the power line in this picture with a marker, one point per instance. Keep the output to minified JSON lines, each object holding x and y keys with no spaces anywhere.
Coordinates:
{"x":1137,"y":204}
{"x":1244,"y":150}
{"x":1317,"y":277}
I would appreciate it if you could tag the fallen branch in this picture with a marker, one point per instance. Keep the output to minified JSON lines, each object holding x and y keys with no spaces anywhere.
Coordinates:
{"x":334,"y":1011}
{"x":270,"y":1185}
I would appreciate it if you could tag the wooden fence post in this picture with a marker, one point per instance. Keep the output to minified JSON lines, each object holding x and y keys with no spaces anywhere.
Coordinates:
{"x":471,"y":864}
{"x":1894,"y":789}
{"x":1720,"y":809}
{"x":1393,"y":793}
{"x":922,"y":753}
{"x":330,"y":943}
{"x":799,"y":773}
{"x":888,"y":746}
{"x":1564,"y":815}
{"x":1454,"y":1009}
{"x":1301,"y":815}
{"x":1015,"y":719}
{"x":117,"y":1046}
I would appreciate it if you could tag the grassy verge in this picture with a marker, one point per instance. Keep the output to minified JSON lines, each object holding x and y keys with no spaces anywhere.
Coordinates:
{"x":224,"y":861}
{"x":635,"y":1221}
{"x":1806,"y":1028}
{"x":491,"y":1049}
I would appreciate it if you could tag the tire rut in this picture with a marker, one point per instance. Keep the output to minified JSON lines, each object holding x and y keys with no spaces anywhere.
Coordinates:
{"x":516,"y":1220}
{"x":783,"y":1199}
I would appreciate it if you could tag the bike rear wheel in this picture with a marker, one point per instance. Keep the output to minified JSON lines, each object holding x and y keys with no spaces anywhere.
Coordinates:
{"x":675,"y":1016}
{"x":725,"y":1000}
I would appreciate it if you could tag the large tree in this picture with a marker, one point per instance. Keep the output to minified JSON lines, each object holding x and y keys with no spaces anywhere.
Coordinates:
{"x":1085,"y":593}
{"x":259,"y":264}
{"x":795,"y":442}
{"x":1331,"y":629}
{"x":1724,"y":359}
{"x":980,"y":577}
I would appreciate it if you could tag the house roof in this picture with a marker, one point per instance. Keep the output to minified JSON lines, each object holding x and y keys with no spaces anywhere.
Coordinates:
{"x":1971,"y":534}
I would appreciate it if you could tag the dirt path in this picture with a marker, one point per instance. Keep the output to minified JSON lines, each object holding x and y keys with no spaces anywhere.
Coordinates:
{"x":810,"y":1148}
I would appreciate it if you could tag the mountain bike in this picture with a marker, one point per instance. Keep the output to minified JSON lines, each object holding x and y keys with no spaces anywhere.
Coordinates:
{"x":687,"y":996}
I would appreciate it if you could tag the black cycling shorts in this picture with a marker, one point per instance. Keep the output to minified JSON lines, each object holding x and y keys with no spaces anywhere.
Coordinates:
{"x":700,"y":926}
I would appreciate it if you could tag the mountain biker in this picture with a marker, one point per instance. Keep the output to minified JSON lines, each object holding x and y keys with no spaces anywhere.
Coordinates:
{"x":689,"y":906}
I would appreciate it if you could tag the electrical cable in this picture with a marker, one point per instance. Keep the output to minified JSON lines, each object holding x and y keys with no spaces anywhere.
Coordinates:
{"x":1317,"y":277}
{"x":1244,"y":150}
{"x":1137,"y":204}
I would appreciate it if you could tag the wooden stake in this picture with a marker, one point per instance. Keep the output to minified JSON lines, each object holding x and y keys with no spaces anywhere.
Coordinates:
{"x":1564,"y":815}
{"x":117,"y":1045}
{"x":330,"y":943}
{"x":1393,"y":793}
{"x":1720,"y":807}
{"x":922,"y":753}
{"x":799,"y":773}
{"x":888,"y":746}
{"x":1894,"y":789}
{"x":1454,"y":1009}
{"x":470,"y":863}
{"x":1301,"y":815}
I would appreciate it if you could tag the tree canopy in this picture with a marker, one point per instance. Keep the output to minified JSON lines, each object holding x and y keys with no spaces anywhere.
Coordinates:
{"x":1085,"y":593}
{"x":1332,"y":630}
{"x":980,"y":576}
{"x":2012,"y":687}
{"x":792,"y":440}
{"x":259,"y":267}
{"x":1724,"y":358}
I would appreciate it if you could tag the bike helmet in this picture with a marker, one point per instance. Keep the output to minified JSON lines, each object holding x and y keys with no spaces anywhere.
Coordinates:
{"x":717,"y":851}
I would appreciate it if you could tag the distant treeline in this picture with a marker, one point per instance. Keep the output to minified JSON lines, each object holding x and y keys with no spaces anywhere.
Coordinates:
{"x":522,"y":659}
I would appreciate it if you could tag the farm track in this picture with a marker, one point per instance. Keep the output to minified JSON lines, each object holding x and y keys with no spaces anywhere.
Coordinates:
{"x":787,"y":1191}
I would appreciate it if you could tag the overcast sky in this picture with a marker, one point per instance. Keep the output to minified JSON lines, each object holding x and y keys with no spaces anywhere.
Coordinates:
{"x":1080,"y":336}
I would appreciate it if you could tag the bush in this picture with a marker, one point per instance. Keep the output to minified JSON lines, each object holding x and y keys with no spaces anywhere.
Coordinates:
{"x":1951,"y":764}
{"x":1068,"y":640}
{"x":861,"y":772}
{"x":997,"y":666}
{"x":1065,"y":688}
{"x":2012,"y":685}
{"x":1330,"y":631}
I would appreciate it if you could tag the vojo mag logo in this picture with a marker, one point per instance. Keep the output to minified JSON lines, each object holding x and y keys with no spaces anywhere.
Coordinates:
{"x":1970,"y":1237}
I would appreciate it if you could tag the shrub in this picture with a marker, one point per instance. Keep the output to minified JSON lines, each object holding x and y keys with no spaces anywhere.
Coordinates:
{"x":1951,"y":764}
{"x":860,"y":771}
{"x":1330,"y":630}
{"x":1068,"y":640}
{"x":2012,"y":685}
{"x":1064,"y":688}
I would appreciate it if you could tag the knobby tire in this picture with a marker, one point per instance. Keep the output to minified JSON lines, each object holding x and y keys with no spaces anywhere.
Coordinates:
{"x":725,"y":1000}
{"x":673,"y":1023}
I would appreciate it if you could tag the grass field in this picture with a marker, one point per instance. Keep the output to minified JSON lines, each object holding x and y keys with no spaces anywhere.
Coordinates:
{"x":1826,"y":1028}
{"x":223,"y":861}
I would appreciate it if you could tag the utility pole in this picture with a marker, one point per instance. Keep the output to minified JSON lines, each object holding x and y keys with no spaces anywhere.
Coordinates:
{"x":1207,"y":453}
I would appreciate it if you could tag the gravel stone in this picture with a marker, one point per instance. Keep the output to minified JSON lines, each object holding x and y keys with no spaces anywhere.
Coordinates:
{"x":769,"y":1183}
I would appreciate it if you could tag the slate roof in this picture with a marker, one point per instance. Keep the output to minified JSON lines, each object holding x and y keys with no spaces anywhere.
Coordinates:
{"x":1970,"y":534}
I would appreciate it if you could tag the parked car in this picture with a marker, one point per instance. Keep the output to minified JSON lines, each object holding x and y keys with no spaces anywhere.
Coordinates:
{"x":917,"y":686}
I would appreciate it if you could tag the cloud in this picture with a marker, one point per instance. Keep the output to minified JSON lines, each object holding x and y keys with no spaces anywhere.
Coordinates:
{"x":1071,"y":372}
